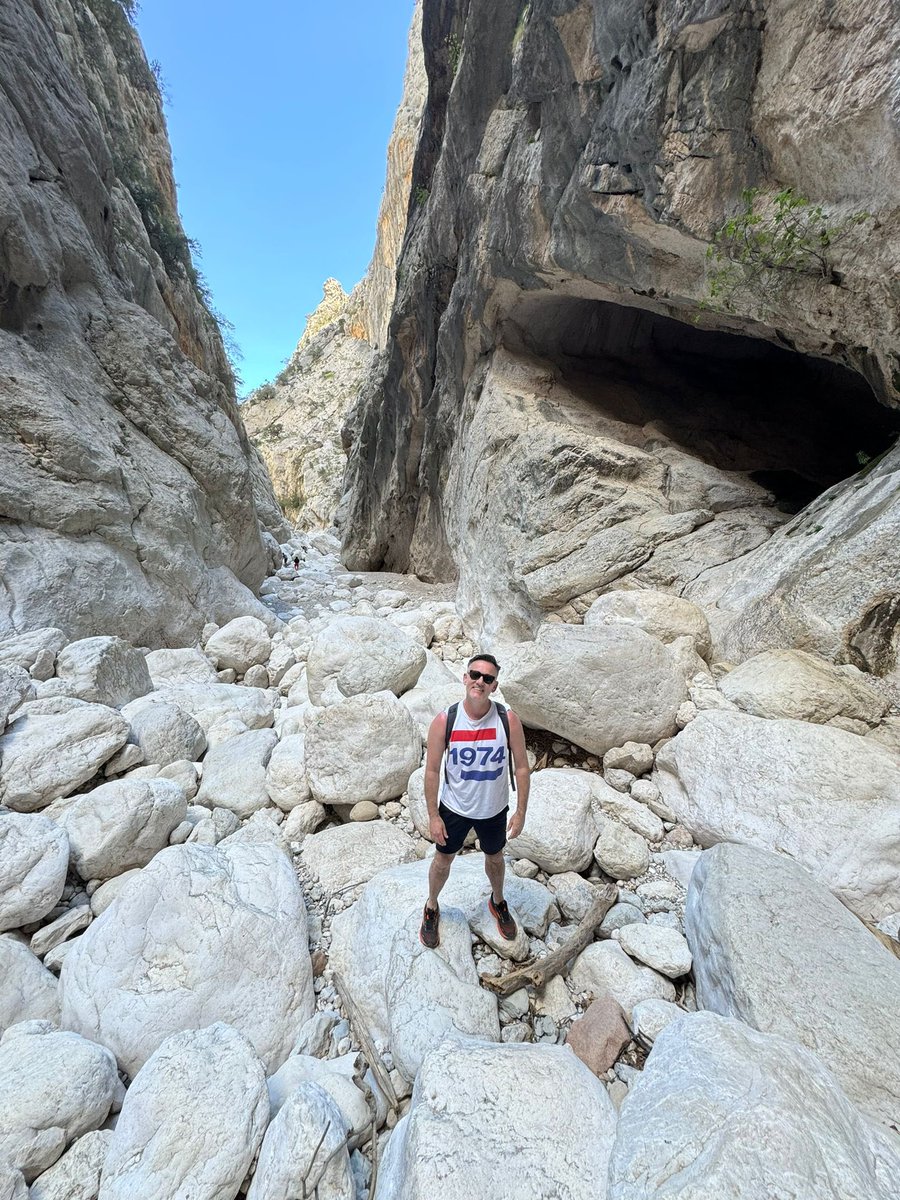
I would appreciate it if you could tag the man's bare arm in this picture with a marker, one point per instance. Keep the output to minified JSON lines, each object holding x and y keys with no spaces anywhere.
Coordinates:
{"x":522,"y":773}
{"x":437,"y":733}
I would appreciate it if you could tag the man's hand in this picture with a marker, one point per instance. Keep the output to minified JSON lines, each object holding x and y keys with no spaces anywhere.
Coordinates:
{"x":516,"y":821}
{"x":437,"y":830}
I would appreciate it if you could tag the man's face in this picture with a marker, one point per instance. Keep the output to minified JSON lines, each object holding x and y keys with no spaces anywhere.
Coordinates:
{"x":477,"y":689}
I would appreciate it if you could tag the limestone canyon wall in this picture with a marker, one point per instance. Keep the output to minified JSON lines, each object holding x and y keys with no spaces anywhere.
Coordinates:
{"x":558,"y":411}
{"x":131,"y":500}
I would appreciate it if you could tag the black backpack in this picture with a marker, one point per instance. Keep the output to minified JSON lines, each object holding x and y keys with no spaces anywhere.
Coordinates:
{"x":504,"y":721}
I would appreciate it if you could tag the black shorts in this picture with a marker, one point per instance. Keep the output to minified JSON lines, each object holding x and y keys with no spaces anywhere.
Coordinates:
{"x":491,"y":832}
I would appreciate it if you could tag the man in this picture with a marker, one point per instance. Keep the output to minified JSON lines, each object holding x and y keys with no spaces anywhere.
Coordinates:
{"x":474,"y":791}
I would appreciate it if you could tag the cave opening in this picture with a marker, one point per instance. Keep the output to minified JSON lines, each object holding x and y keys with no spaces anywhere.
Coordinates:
{"x":794,"y":423}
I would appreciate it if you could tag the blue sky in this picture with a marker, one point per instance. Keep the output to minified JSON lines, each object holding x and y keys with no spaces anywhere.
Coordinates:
{"x":279,"y":115}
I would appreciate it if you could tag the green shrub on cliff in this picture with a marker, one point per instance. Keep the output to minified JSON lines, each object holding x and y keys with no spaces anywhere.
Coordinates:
{"x":787,"y":233}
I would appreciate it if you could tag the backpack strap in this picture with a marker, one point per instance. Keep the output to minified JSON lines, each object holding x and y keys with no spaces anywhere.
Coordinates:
{"x":451,"y":721}
{"x":504,"y":721}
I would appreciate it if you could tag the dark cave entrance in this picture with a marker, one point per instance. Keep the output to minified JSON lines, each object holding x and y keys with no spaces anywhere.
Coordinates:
{"x":794,"y":423}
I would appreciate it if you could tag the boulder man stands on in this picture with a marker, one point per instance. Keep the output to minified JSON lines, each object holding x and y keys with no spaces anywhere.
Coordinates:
{"x":475,"y":739}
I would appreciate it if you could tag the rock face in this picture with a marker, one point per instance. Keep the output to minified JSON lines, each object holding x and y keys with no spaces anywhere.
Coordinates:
{"x":209,"y":1080}
{"x":202,"y":934}
{"x":760,"y":929}
{"x":721,"y":1110}
{"x":449,"y":1145}
{"x":547,"y":421}
{"x":124,"y":459}
{"x":828,"y":798}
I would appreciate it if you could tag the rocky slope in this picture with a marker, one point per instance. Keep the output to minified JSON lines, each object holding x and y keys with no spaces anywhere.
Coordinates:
{"x":557,"y":411}
{"x":296,"y":421}
{"x":132,"y":500}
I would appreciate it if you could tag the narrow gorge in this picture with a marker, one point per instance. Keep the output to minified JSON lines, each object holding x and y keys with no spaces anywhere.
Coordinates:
{"x":616,"y":402}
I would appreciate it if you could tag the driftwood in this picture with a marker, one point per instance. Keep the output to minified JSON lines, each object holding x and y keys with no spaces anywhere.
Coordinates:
{"x":381,"y":1075}
{"x":538,"y":973}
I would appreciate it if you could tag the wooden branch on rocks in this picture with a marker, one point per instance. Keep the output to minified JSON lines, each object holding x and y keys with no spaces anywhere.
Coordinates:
{"x":381,"y":1076}
{"x":538,"y":973}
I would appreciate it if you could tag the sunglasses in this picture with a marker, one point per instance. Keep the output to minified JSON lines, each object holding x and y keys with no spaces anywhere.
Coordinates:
{"x":485,"y":675}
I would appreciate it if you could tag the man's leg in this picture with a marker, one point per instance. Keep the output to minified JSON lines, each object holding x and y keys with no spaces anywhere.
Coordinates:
{"x":495,"y":869}
{"x":438,"y":874}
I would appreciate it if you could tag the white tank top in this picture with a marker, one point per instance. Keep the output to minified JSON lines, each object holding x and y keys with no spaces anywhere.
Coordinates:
{"x":476,"y":766}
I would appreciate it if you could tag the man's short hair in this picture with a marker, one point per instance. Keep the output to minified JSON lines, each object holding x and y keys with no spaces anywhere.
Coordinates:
{"x":483,"y":658}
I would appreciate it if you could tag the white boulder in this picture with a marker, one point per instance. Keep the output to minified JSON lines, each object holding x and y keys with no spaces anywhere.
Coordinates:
{"x":796,"y":684}
{"x":213,"y":705}
{"x":52,"y":747}
{"x":241,"y":644}
{"x":560,"y":829}
{"x":661,"y":614}
{"x":355,"y":655}
{"x":28,"y":991}
{"x":234,"y":773}
{"x":304,"y":1152}
{"x":828,"y":798}
{"x":337,"y":1076}
{"x":208,"y":1081}
{"x":605,"y":967}
{"x":347,"y":856}
{"x":619,"y":851}
{"x":665,"y":950}
{"x":34,"y":855}
{"x":598,"y":687}
{"x":285,"y":780}
{"x":53,"y":1088}
{"x":16,"y":686}
{"x":119,"y":825}
{"x":408,"y":996}
{"x":774,"y":948}
{"x":203,"y":934}
{"x":179,"y":666}
{"x":723,"y":1111}
{"x":364,"y":748}
{"x":24,"y":649}
{"x":103,"y":670}
{"x":164,"y":732}
{"x":75,"y":1176}
{"x":450,"y":1145}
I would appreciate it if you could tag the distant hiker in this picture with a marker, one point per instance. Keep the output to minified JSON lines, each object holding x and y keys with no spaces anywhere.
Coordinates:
{"x":296,"y":562}
{"x":475,"y":739}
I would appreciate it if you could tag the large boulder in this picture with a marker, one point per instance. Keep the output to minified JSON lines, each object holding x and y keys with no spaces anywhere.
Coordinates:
{"x":662,"y":614}
{"x":411,"y":997}
{"x":214,"y":704}
{"x":305,"y":1144}
{"x":560,"y":829}
{"x":75,"y":1176}
{"x":16,"y":686}
{"x":208,"y":1081}
{"x":104,"y":670}
{"x":164,"y":732}
{"x":598,"y":687}
{"x":286,"y":781}
{"x":364,"y":748}
{"x":353,"y":655}
{"x":721,"y":1110}
{"x":119,"y":825}
{"x":336,"y":1076}
{"x":203,"y":934}
{"x":54,"y":746}
{"x":828,"y":798}
{"x":802,"y":686}
{"x":348,"y":856}
{"x":234,"y":773}
{"x":53,"y":1088}
{"x":170,"y":667}
{"x":773,"y":947}
{"x":28,"y":991}
{"x":24,"y":649}
{"x":451,"y":1145}
{"x":241,"y":644}
{"x":35,"y":857}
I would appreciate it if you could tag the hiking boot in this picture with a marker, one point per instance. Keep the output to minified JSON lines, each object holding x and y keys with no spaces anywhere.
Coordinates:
{"x":504,"y":918}
{"x":428,"y":930}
